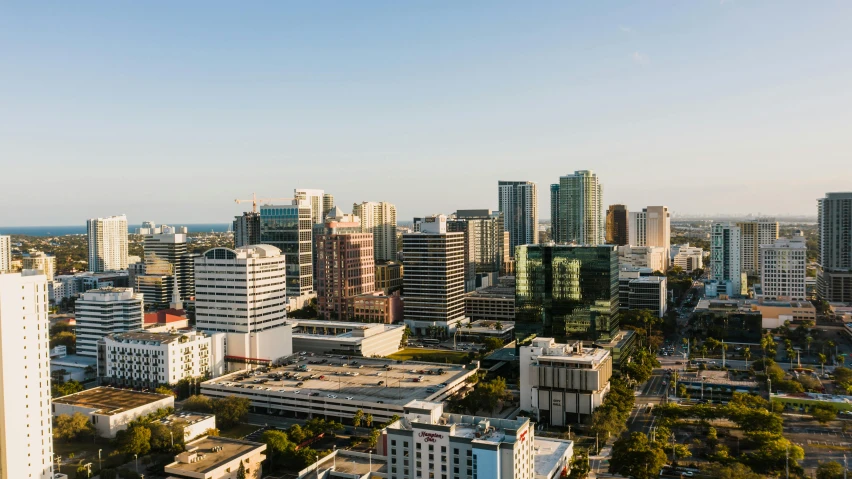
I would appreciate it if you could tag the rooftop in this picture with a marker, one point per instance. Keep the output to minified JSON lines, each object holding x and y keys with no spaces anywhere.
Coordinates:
{"x":109,"y":401}
{"x":507,"y":292}
{"x":815,"y":397}
{"x":153,"y":338}
{"x":574,"y":352}
{"x":548,"y":453}
{"x":208,"y":453}
{"x":185,"y":416}
{"x":339,"y":330}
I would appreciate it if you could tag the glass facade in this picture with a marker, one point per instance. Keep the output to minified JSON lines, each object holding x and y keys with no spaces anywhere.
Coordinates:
{"x":289,"y":228}
{"x":564,"y":290}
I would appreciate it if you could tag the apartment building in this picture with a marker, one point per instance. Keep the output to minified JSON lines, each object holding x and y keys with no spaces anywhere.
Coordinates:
{"x":379,"y":218}
{"x":40,"y":261}
{"x":725,"y":256}
{"x":783,"y":269}
{"x":5,"y":254}
{"x":834,"y":275}
{"x":104,"y":311}
{"x":579,"y":218}
{"x":518,"y":202}
{"x":107,"y":243}
{"x":754,"y":234}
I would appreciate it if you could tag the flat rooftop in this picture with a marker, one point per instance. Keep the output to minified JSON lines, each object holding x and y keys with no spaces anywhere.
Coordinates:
{"x":338,"y":330}
{"x":548,"y":452}
{"x":714,"y":378}
{"x":185,"y":416}
{"x":815,"y":397}
{"x":322,"y":375}
{"x":110,"y":401}
{"x":473,"y":427}
{"x":227,"y":450}
{"x":348,"y":463}
{"x":487,"y":326}
{"x":507,"y":292}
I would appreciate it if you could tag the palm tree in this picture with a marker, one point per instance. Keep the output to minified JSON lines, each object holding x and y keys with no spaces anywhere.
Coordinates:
{"x":822,"y":361}
{"x":703,"y":351}
{"x":832,"y":351}
{"x":747,"y":355}
{"x":809,"y":340}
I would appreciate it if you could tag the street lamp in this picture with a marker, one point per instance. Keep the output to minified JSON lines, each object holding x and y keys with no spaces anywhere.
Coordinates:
{"x":100,"y":464}
{"x":136,"y":460}
{"x":334,"y":455}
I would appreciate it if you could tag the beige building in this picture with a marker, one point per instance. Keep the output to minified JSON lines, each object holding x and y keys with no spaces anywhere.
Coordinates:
{"x":775,"y":313}
{"x":214,"y":457}
{"x":753,"y":235}
{"x":689,"y":258}
{"x":375,"y":307}
{"x":653,"y":257}
{"x":389,"y":277}
{"x":652,"y":227}
{"x":494,"y":302}
{"x":111,"y":409}
{"x":5,"y":253}
{"x":379,"y":218}
{"x":349,"y":338}
{"x":39,"y":261}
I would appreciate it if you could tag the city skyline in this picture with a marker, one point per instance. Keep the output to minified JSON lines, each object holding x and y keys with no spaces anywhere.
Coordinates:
{"x":171,"y":111}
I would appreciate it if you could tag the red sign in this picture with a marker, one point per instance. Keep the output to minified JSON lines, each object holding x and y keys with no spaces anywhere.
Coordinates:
{"x":430,"y":436}
{"x":523,"y":436}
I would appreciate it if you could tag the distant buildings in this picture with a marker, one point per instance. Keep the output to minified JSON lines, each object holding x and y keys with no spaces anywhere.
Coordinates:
{"x":104,"y":311}
{"x":316,"y":200}
{"x":518,"y":202}
{"x":638,"y":291}
{"x":434,"y":277}
{"x":167,"y":263}
{"x":26,"y":438}
{"x":389,"y":276}
{"x":37,"y":260}
{"x":652,"y":227}
{"x":566,"y":290}
{"x":783,"y":268}
{"x":241,"y":293}
{"x":142,"y":359}
{"x":246,"y":229}
{"x":484,"y":234}
{"x":689,"y":258}
{"x":68,"y":286}
{"x":653,"y":257}
{"x":617,"y":225}
{"x":725,"y":256}
{"x":107,"y":243}
{"x":563,"y":384}
{"x":761,"y":232}
{"x":379,"y":218}
{"x":579,"y":217}
{"x":5,"y":254}
{"x":290,"y":229}
{"x":834,"y":275}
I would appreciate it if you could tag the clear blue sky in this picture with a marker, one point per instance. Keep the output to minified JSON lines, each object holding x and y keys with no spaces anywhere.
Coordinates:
{"x":169,"y":110}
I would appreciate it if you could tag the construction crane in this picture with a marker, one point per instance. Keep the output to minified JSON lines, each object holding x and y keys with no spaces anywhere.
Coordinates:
{"x":254,"y":199}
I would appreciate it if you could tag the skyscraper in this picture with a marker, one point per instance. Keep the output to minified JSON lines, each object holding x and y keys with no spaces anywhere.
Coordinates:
{"x":379,"y":218}
{"x":253,"y":311}
{"x":725,"y":254}
{"x":290,"y":229}
{"x":566,"y":290}
{"x":166,"y":259}
{"x":580,"y":214}
{"x":518,"y":202}
{"x":246,"y":229}
{"x":26,"y":436}
{"x":434,"y":277}
{"x":107,"y":243}
{"x":327,"y":204}
{"x":617,"y":225}
{"x":651,"y":227}
{"x":483,"y":245}
{"x":554,"y":213}
{"x":761,"y":232}
{"x":39,"y":261}
{"x":105,"y":311}
{"x":345,"y":265}
{"x":834,"y":276}
{"x":316,"y":199}
{"x":5,"y":253}
{"x":783,"y":268}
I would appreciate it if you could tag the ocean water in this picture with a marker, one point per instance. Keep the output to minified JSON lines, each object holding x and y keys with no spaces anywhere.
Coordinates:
{"x":81,"y":229}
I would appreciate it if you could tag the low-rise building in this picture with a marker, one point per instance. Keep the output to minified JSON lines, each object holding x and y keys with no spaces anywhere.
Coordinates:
{"x":477,"y":331}
{"x":654,"y":257}
{"x":638,"y":291}
{"x":553,"y":457}
{"x":563,"y":383}
{"x":194,"y":424}
{"x":776,"y":313}
{"x":376,"y":307}
{"x":689,"y":258}
{"x":144,"y":359}
{"x":349,"y":338}
{"x":106,"y":311}
{"x":111,"y":409}
{"x":388,"y":276}
{"x":495,"y":303}
{"x":214,"y":457}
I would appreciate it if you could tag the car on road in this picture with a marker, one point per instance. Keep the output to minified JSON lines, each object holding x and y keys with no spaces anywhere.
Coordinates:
{"x":331,"y":396}
{"x":349,"y":398}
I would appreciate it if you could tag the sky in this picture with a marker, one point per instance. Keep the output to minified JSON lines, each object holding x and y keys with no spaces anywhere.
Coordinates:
{"x":168,"y":111}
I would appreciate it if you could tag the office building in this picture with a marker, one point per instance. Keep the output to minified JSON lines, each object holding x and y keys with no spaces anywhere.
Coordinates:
{"x":215,"y":457}
{"x":638,"y":291}
{"x":651,"y":227}
{"x":168,"y":265}
{"x":434,"y":277}
{"x":106,"y":311}
{"x":327,"y":204}
{"x":107,"y":243}
{"x":246,"y":229}
{"x":349,"y":338}
{"x":427,"y":442}
{"x":579,"y":217}
{"x":554,"y":212}
{"x":652,"y":257}
{"x":518,"y":202}
{"x":379,"y":218}
{"x":345,"y":266}
{"x":316,"y":200}
{"x":754,"y":234}
{"x":290,"y":229}
{"x":111,"y":409}
{"x":39,"y":261}
{"x":5,"y":254}
{"x":142,"y":359}
{"x":389,"y":277}
{"x":563,"y":384}
{"x":725,"y":255}
{"x":496,"y":303}
{"x":834,"y":274}
{"x":617,"y":225}
{"x":566,"y":290}
{"x":689,"y":258}
{"x":375,"y":307}
{"x":241,"y":293}
{"x":484,"y":234}
{"x":26,"y":435}
{"x":783,"y":268}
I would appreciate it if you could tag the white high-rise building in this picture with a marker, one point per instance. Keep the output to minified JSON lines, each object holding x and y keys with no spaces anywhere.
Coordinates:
{"x":689,"y":258}
{"x":107,"y":243}
{"x":37,"y":260}
{"x":518,"y":201}
{"x":834,"y":276}
{"x":580,"y":217}
{"x":106,"y":311}
{"x":653,"y":257}
{"x":316,"y":198}
{"x":726,"y":254}
{"x":379,"y":218}
{"x":783,"y":268}
{"x":26,"y":434}
{"x":651,"y":227}
{"x":763,"y":231}
{"x":5,"y":253}
{"x":242,"y":292}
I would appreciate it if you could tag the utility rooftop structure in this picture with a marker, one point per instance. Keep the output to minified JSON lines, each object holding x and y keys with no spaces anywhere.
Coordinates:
{"x":215,"y":457}
{"x":353,"y":339}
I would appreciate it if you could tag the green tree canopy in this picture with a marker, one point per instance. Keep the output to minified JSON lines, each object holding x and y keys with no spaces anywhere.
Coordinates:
{"x":134,"y":440}
{"x":829,"y":470}
{"x":633,"y":455}
{"x":72,"y":427}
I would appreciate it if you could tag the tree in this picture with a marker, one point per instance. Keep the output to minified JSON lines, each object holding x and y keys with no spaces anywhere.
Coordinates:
{"x":359,"y":416}
{"x":633,"y":455}
{"x":823,"y":413}
{"x":747,"y":355}
{"x":134,"y":440}
{"x":579,"y":464}
{"x":198,"y":403}
{"x":72,"y":427}
{"x":59,"y":389}
{"x":296,"y":433}
{"x":822,"y":361}
{"x":230,"y":410}
{"x":241,"y":472}
{"x":374,"y":438}
{"x":498,"y":326}
{"x":492,"y":344}
{"x":165,"y":390}
{"x":829,"y":470}
{"x":734,"y":470}
{"x":368,"y":420}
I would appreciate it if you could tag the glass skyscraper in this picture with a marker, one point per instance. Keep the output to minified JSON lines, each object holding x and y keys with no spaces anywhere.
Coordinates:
{"x":566,"y":290}
{"x":289,"y":228}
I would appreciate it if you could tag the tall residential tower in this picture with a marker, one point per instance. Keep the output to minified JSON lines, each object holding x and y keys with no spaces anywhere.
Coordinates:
{"x":579,"y":217}
{"x":379,"y":218}
{"x":834,"y":276}
{"x":518,"y":201}
{"x":107,"y":243}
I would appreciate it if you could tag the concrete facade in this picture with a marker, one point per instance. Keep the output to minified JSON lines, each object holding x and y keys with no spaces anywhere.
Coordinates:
{"x":783,"y":268}
{"x":652,"y":257}
{"x":379,"y":218}
{"x":39,"y":261}
{"x":351,"y":339}
{"x":111,"y":409}
{"x":518,"y":201}
{"x":104,"y":311}
{"x":726,"y":255}
{"x":214,"y":457}
{"x":107,"y":243}
{"x":5,"y":254}
{"x":755,"y":234}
